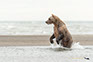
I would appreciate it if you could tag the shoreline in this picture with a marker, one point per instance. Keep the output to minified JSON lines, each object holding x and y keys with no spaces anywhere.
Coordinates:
{"x":39,"y":40}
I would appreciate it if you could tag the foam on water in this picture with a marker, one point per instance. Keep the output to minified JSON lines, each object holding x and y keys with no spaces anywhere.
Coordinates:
{"x":74,"y":46}
{"x":77,"y":46}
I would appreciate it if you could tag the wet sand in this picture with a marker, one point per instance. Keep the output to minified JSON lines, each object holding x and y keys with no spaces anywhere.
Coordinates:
{"x":39,"y":40}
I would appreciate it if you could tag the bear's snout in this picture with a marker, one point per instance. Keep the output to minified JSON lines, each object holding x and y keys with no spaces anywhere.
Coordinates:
{"x":46,"y":22}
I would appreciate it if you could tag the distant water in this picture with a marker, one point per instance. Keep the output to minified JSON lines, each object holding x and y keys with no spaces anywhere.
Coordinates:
{"x":41,"y":28}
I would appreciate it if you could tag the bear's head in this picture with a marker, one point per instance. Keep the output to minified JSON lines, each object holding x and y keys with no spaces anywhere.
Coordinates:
{"x":51,"y":19}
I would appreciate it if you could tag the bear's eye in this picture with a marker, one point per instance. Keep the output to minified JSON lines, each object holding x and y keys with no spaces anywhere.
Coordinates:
{"x":49,"y":19}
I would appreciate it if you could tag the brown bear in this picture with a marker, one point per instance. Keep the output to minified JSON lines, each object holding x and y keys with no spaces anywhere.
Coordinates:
{"x":61,"y":32}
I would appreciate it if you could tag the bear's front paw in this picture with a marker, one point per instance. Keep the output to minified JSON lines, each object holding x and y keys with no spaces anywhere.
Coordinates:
{"x":52,"y":45}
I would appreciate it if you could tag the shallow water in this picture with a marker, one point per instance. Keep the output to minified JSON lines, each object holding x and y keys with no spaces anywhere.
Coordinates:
{"x":45,"y":54}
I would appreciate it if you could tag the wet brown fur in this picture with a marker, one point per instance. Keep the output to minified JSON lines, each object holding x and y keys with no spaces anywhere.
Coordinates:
{"x":60,"y":28}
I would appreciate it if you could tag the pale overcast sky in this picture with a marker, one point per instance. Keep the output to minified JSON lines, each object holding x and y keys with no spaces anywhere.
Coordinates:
{"x":42,"y":9}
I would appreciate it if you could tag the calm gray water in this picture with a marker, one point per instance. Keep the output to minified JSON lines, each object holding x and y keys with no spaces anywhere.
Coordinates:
{"x":45,"y":54}
{"x":41,"y":28}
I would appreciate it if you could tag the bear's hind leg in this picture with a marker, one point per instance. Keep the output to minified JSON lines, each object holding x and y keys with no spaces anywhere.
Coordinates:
{"x":60,"y":37}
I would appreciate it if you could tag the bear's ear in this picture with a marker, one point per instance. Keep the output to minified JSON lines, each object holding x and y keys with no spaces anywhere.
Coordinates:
{"x":53,"y":16}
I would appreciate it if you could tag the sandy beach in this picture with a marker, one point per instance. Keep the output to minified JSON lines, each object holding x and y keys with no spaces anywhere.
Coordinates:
{"x":39,"y":40}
